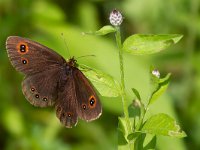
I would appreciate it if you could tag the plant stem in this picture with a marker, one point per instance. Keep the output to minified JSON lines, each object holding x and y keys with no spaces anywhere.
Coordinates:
{"x":141,"y":119}
{"x":123,"y":93}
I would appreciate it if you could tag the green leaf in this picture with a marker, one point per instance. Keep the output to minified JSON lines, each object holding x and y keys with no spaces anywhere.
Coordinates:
{"x":161,"y":88}
{"x":103,"y":31}
{"x":133,"y":135}
{"x":162,"y":124}
{"x":137,"y":94}
{"x":121,"y":139}
{"x":139,"y":142}
{"x":122,"y":133}
{"x":123,"y":147}
{"x":104,"y":83}
{"x":142,"y":44}
{"x":122,"y":126}
{"x":151,"y":144}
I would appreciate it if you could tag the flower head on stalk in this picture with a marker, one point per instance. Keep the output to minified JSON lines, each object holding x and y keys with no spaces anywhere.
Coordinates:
{"x":116,"y":18}
{"x":156,"y":73}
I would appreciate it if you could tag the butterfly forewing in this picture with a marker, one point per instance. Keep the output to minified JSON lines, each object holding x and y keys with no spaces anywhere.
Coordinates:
{"x":30,"y":57}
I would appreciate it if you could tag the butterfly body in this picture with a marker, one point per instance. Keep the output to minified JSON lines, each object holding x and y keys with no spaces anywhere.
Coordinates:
{"x":51,"y":80}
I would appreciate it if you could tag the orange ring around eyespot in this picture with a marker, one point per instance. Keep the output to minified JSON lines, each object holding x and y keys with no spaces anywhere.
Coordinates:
{"x":69,"y":114}
{"x":94,"y":105}
{"x":32,"y":89}
{"x":22,"y":59}
{"x":18,"y":47}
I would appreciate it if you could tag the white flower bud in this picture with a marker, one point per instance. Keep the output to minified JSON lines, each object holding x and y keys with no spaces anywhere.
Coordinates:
{"x":116,"y":18}
{"x":156,"y":73}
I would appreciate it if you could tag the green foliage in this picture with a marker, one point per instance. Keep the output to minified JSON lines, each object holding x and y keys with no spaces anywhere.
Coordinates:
{"x":137,"y":94}
{"x":159,"y":86}
{"x":105,"y":84}
{"x":18,"y":128}
{"x":132,"y":132}
{"x":162,"y":124}
{"x":141,"y":44}
{"x":122,"y":127}
{"x":103,"y":31}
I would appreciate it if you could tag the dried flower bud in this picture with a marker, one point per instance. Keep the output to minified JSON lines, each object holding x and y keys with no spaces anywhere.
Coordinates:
{"x":136,"y":103}
{"x":115,"y":18}
{"x":156,"y":73}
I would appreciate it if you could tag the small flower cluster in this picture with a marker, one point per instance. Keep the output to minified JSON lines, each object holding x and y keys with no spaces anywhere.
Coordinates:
{"x":115,"y":18}
{"x":156,"y":73}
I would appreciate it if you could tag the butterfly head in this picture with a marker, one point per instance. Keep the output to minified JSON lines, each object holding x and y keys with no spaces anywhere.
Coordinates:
{"x":72,"y":62}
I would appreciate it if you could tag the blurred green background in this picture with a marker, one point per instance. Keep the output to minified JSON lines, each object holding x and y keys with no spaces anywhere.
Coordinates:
{"x":23,"y":126}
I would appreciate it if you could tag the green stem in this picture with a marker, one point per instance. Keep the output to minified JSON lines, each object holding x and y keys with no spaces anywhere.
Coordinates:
{"x":141,"y":119}
{"x":119,"y":44}
{"x":123,"y":93}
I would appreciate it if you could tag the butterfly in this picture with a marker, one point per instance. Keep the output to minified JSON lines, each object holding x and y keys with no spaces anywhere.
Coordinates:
{"x":50,"y":80}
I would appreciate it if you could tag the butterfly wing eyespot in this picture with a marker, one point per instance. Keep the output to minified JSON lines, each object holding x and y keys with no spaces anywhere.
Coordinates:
{"x":22,"y":48}
{"x":44,"y":99}
{"x":32,"y":89}
{"x":69,"y":119}
{"x":92,"y":101}
{"x":69,"y":114}
{"x":58,"y":109}
{"x":37,"y":96}
{"x":24,"y":61}
{"x":84,"y":106}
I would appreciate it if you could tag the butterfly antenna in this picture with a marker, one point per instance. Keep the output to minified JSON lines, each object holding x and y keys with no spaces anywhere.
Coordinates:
{"x":86,"y":56}
{"x":66,"y":44}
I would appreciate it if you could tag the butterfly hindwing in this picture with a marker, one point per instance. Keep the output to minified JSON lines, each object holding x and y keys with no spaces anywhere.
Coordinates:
{"x":89,"y":107}
{"x":66,"y":104}
{"x":41,"y":89}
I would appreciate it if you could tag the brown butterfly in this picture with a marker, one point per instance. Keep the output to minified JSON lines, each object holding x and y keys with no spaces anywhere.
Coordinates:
{"x":51,"y":80}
